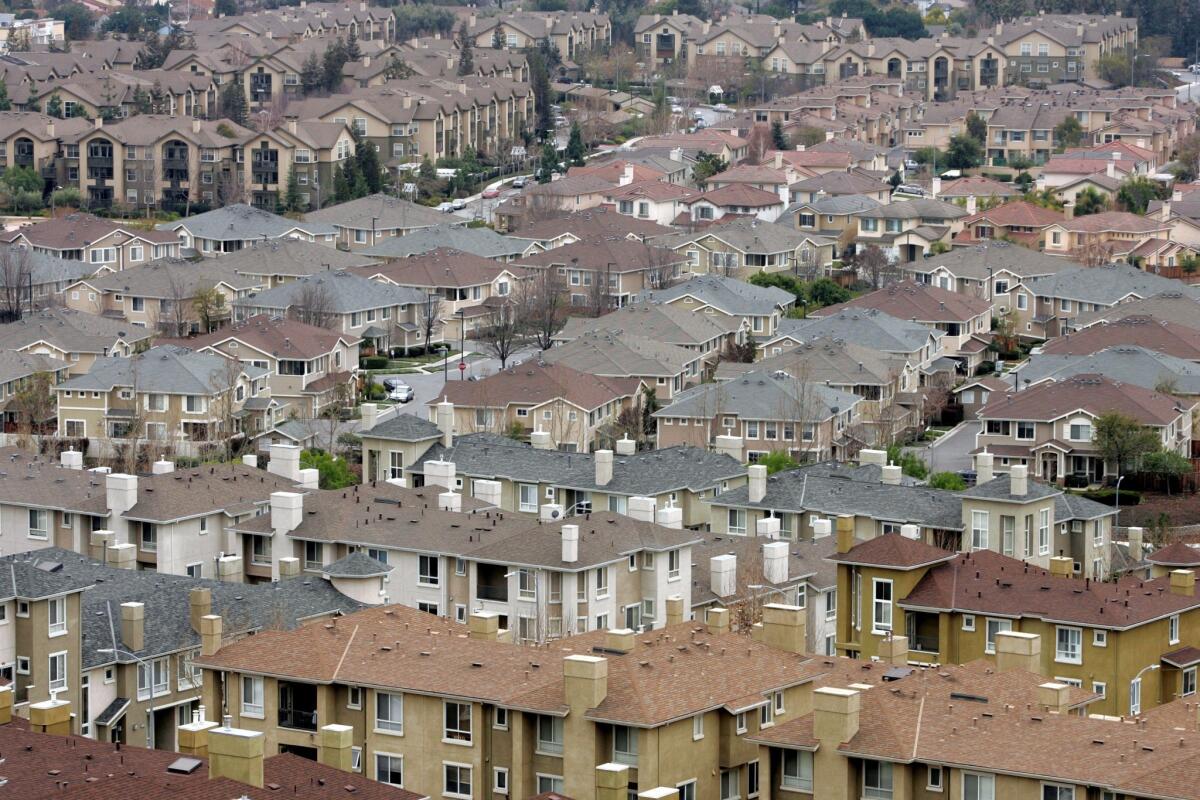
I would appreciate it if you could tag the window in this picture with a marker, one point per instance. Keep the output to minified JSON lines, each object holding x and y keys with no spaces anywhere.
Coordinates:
{"x":1135,"y":696}
{"x":625,"y":745}
{"x":968,"y":622}
{"x":741,"y":722}
{"x":1024,"y":430}
{"x":1189,"y":681}
{"x":766,"y":715}
{"x":1173,"y":629}
{"x":158,"y":670}
{"x":500,"y":719}
{"x":730,"y":784}
{"x":389,"y":712}
{"x":389,"y":769}
{"x":1068,"y":647}
{"x":395,"y":465}
{"x":148,"y":541}
{"x":737,"y":520}
{"x":601,"y":582}
{"x":458,"y":722}
{"x":193,"y":404}
{"x":314,"y":556}
{"x":252,"y":696}
{"x":1100,"y":688}
{"x":672,"y":564}
{"x":1099,"y":638}
{"x":979,"y":787}
{"x":797,"y":770}
{"x":500,"y":780}
{"x":550,"y":735}
{"x":354,"y":697}
{"x":933,"y":778}
{"x":1053,"y":791}
{"x":526,"y":584}
{"x":979,"y":530}
{"x":881,"y":616}
{"x":1080,"y":432}
{"x":427,"y":570}
{"x":1044,"y":532}
{"x":698,"y":727}
{"x":58,"y":672}
{"x":877,"y":780}
{"x":37,"y":523}
{"x":529,"y":501}
{"x":831,"y":604}
{"x":550,"y":783}
{"x":57,"y":608}
{"x":994,"y":626}
{"x":457,"y":781}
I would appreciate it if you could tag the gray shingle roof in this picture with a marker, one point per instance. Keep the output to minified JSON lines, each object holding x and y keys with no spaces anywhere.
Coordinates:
{"x":921,"y":208}
{"x":72,"y":331}
{"x":726,"y":294}
{"x":977,"y":261}
{"x":806,"y":564}
{"x":760,"y":395}
{"x":999,"y":488}
{"x":166,"y":369}
{"x":837,"y":204}
{"x":356,"y":565}
{"x":43,"y":268}
{"x":483,"y":242}
{"x":241,"y":222}
{"x":1106,"y":285}
{"x":386,"y":212}
{"x":404,"y":428}
{"x":14,"y":366}
{"x":1069,"y":506}
{"x":865,"y":327}
{"x":1127,"y":363}
{"x":346,"y":293}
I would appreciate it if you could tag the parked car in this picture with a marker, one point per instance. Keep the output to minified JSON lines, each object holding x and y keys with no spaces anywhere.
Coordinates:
{"x":401,"y":394}
{"x":445,"y":208}
{"x":519,"y":182}
{"x":458,"y":203}
{"x":392,"y":382}
{"x":491,"y":193}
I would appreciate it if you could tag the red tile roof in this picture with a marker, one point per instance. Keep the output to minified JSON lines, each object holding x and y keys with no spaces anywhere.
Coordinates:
{"x":738,"y":194}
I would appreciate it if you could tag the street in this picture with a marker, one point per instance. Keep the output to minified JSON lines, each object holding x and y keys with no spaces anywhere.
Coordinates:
{"x":1190,"y":90}
{"x":428,"y":387}
{"x":951,"y":452}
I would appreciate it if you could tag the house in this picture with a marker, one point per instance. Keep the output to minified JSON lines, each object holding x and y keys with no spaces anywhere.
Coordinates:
{"x":30,"y":280}
{"x":1103,"y":237}
{"x":734,"y":199}
{"x":369,"y":221}
{"x":1132,"y":364}
{"x":653,"y":200}
{"x":760,"y":308}
{"x":918,"y":344}
{"x":973,"y":395}
{"x":758,"y":413}
{"x":103,"y":244}
{"x":1050,"y":426}
{"x":1169,"y":338}
{"x":595,"y":223}
{"x":382,"y":316}
{"x":309,"y":368}
{"x":1019,"y":221}
{"x":832,"y":215}
{"x":24,"y":371}
{"x":907,"y":230}
{"x":973,"y":191}
{"x":665,"y":369}
{"x":482,"y":242}
{"x":744,"y":247}
{"x":568,"y":195}
{"x":990,"y":271}
{"x":73,"y":337}
{"x":607,"y":273}
{"x":233,"y":227}
{"x":1175,"y":306}
{"x":575,"y":411}
{"x":267,"y":263}
{"x":704,"y":334}
{"x":168,"y":396}
{"x":837,"y":184}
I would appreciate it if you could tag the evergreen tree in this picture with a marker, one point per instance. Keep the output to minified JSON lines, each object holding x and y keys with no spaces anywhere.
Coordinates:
{"x":353,"y":52}
{"x":5,"y":103}
{"x":497,"y":40}
{"x":332,"y":63}
{"x":397,"y":69}
{"x":233,"y":101}
{"x":539,"y":84}
{"x":575,"y":148}
{"x":159,"y":102}
{"x":778,"y":138}
{"x":368,"y":166}
{"x":312,"y":77}
{"x":141,"y":101}
{"x":549,"y":162}
{"x":292,"y":200}
{"x":54,"y":106}
{"x":466,"y":52}
{"x":342,"y":184}
{"x":359,"y":187}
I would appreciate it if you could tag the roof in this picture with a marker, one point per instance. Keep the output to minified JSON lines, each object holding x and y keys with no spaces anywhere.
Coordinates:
{"x":1176,"y":554}
{"x":986,"y":582}
{"x":356,"y":565}
{"x":760,"y":395}
{"x":280,"y":337}
{"x":233,"y":489}
{"x":837,"y":204}
{"x":24,"y":265}
{"x":737,"y":195}
{"x":276,"y":258}
{"x":14,"y":366}
{"x":344,"y":292}
{"x":1113,"y":221}
{"x":1000,"y":488}
{"x":76,"y":231}
{"x":867,"y":327}
{"x":477,"y":241}
{"x":1088,"y":392}
{"x":379,"y":212}
{"x":978,"y":261}
{"x":977,"y":186}
{"x":165,"y":369}
{"x":625,"y":356}
{"x":916,"y":208}
{"x":914,"y":301}
{"x":533,"y":384}
{"x":1174,"y":306}
{"x":606,"y":255}
{"x":1159,"y":336}
{"x":441,"y":267}
{"x":830,"y":361}
{"x":893,"y":551}
{"x":807,"y":563}
{"x":1019,"y":213}
{"x":70,"y":331}
{"x":404,"y":428}
{"x":1126,"y":363}
{"x":589,"y":224}
{"x":725,"y":294}
{"x":751,"y":235}
{"x":240,"y":222}
{"x":659,"y":321}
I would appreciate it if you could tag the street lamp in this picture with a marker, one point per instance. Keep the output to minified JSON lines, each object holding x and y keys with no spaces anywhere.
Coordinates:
{"x":462,"y":342}
{"x":1117,"y":496}
{"x":1138,"y":680}
{"x":116,"y":651}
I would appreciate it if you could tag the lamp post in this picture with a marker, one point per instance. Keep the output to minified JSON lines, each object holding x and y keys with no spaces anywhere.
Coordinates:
{"x":462,"y":341}
{"x":116,"y":651}
{"x":1117,"y":497}
{"x":1138,"y":680}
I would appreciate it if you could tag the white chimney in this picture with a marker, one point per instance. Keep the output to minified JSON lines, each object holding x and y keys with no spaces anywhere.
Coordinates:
{"x":775,"y":562}
{"x":758,"y":482}
{"x":676,"y":154}
{"x":445,"y":422}
{"x":120,"y":492}
{"x":1136,"y":550}
{"x":730,"y":446}
{"x":369,"y":415}
{"x":287,"y":511}
{"x":821,"y":528}
{"x":935,"y":187}
{"x":570,"y":544}
{"x":723,"y":574}
{"x":972,"y":205}
{"x":250,"y":461}
{"x":71,"y":459}
{"x":911,"y":532}
{"x":1018,"y":480}
{"x":440,"y":473}
{"x":450,"y":501}
{"x":162,"y":467}
{"x":767,"y":528}
{"x":626,"y":176}
{"x":541,"y":440}
{"x":551,"y":512}
{"x":872,"y":457}
{"x":642,"y":508}
{"x":604,"y":467}
{"x":983,"y":467}
{"x":310,"y":478}
{"x":891,"y":474}
{"x":487,"y":492}
{"x":1110,"y":169}
{"x":670,"y":517}
{"x":285,"y":462}
{"x":626,"y":446}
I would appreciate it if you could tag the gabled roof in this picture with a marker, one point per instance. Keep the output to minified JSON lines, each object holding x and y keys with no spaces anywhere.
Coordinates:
{"x":404,"y":428}
{"x":662,"y":322}
{"x":442,"y":267}
{"x":736,"y":195}
{"x":1106,"y":285}
{"x":1113,"y":221}
{"x":915,"y":301}
{"x":893,"y":551}
{"x":483,"y":242}
{"x":240,"y":222}
{"x":729,"y":295}
{"x":276,"y":336}
{"x":165,"y":369}
{"x":760,"y":396}
{"x":1020,"y":213}
{"x":1176,"y":554}
{"x":344,"y":292}
{"x":534,"y":384}
{"x":1090,"y":393}
{"x":70,"y":331}
{"x":1126,"y":363}
{"x":868,"y":327}
{"x":625,"y":356}
{"x":1159,"y":336}
{"x":378,"y":212}
{"x":76,"y":231}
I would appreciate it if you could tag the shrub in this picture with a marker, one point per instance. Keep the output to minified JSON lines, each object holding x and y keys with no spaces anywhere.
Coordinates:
{"x":951,"y":481}
{"x":374,"y":362}
{"x":335,"y":473}
{"x":1108,"y":497}
{"x":910,"y":464}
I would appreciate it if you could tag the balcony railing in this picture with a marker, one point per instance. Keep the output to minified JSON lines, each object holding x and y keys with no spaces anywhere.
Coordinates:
{"x":924,"y":644}
{"x":498,"y":593}
{"x":298,"y":720}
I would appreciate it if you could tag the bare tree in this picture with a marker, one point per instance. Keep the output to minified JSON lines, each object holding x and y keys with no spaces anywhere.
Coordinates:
{"x":600,"y":298}
{"x":340,"y":401}
{"x":224,"y":383}
{"x":209,"y":305}
{"x":541,"y":304}
{"x":429,"y":317}
{"x":314,"y":304}
{"x":872,"y":265}
{"x":33,"y":404}
{"x":178,"y":319}
{"x":937,"y":394}
{"x":231,"y":188}
{"x":16,"y":270}
{"x":747,"y":608}
{"x":501,"y":334}
{"x":660,"y":267}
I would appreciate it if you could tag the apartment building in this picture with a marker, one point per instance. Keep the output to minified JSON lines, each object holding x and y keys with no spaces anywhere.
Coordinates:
{"x":663,"y":39}
{"x":1050,"y":427}
{"x":72,"y":337}
{"x":312,"y":151}
{"x":168,"y":396}
{"x":30,"y":139}
{"x":758,"y":413}
{"x":104,"y":245}
{"x":568,"y":195}
{"x":1052,"y":48}
{"x":571,"y":34}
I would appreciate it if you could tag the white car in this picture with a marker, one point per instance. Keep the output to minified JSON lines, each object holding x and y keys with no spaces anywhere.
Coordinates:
{"x":401,"y":394}
{"x":1195,"y":68}
{"x":445,"y":207}
{"x":458,"y":204}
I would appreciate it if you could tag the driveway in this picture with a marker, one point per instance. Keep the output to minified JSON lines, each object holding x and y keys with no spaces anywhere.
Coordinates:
{"x":951,"y":452}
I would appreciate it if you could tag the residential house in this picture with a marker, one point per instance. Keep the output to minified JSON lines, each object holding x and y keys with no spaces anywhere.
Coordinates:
{"x":31,"y":281}
{"x":607,"y":273}
{"x":734,"y":199}
{"x":665,"y":369}
{"x":760,"y":308}
{"x":831,"y":215}
{"x":1173,"y":305}
{"x":990,"y":271}
{"x":482,"y":242}
{"x":704,"y":334}
{"x":1160,"y":336}
{"x":1018,"y":221}
{"x":907,"y":230}
{"x":838,"y":184}
{"x":271,"y":262}
{"x":233,"y":227}
{"x":653,"y":200}
{"x":918,"y":344}
{"x":1124,"y":363}
{"x":103,"y":244}
{"x":745,"y":247}
{"x":1104,"y":237}
{"x":369,"y":221}
{"x":22,"y":371}
{"x":565,"y":196}
{"x":72,"y":337}
{"x":595,"y":223}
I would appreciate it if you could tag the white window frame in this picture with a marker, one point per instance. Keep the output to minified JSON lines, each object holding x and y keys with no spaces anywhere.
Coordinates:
{"x":388,"y":725}
{"x":877,"y":605}
{"x":1063,"y":656}
{"x":252,"y":709}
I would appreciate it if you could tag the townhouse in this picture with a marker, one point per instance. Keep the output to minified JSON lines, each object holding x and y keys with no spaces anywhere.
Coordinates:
{"x":603,"y":274}
{"x":741,"y":248}
{"x":759,"y":412}
{"x":371,"y":220}
{"x":575,"y":411}
{"x":1133,"y":364}
{"x":918,"y":344}
{"x":309,"y":368}
{"x":236,"y":226}
{"x":839,"y":184}
{"x":1103,"y":238}
{"x":705,"y":334}
{"x":831,"y":215}
{"x":907,"y":231}
{"x":72,"y":337}
{"x":30,"y":280}
{"x":267,"y":263}
{"x":170,"y":397}
{"x":571,"y":34}
{"x":1050,"y":427}
{"x":592,"y":224}
{"x":27,"y":382}
{"x":732,"y":199}
{"x":654,"y":200}
{"x":1018,"y":221}
{"x":482,"y":242}
{"x":760,"y":308}
{"x":380,"y":315}
{"x":1170,"y":306}
{"x":1161,"y":336}
{"x":663,"y":39}
{"x":103,"y":244}
{"x":990,"y":271}
{"x":664,"y":369}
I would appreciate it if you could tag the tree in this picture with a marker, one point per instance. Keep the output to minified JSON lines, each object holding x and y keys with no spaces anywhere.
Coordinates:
{"x":575,"y":148}
{"x":466,"y":52}
{"x":950,"y":481}
{"x":332,"y":63}
{"x":334,"y":472}
{"x":209,"y":305}
{"x":233,"y":101}
{"x":707,"y":165}
{"x":539,"y":86}
{"x":312,"y":77}
{"x":78,"y":21}
{"x":964,"y":152}
{"x":429,"y":317}
{"x":21,"y":179}
{"x":398,"y":69}
{"x":809,"y":136}
{"x":5,"y":103}
{"x":910,"y":464}
{"x":1136,"y":193}
{"x":549,"y":163}
{"x":777,"y":461}
{"x":1188,"y":158}
{"x":16,"y":265}
{"x":225,"y":8}
{"x":67,"y":196}
{"x":541,"y":304}
{"x":1068,"y":133}
{"x":976,"y":127}
{"x":778,"y":137}
{"x":1122,"y":440}
{"x":1167,"y":466}
{"x":313,"y":304}
{"x":34,"y":404}
{"x":501,"y":333}
{"x":366,"y":158}
{"x":1089,"y":201}
{"x":353,"y":51}
{"x":54,"y":106}
{"x":292,"y":201}
{"x":872,"y":266}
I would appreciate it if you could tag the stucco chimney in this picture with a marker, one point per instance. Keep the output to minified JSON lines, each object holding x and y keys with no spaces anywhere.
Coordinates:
{"x":1018,"y":480}
{"x":641,"y":508}
{"x":133,"y":626}
{"x":285,"y":462}
{"x":775,"y":562}
{"x":445,"y":422}
{"x":604,"y":467}
{"x":287,"y":511}
{"x":983,"y":467}
{"x":757,"y":474}
{"x":723,"y":574}
{"x":236,"y":754}
{"x":570,"y":544}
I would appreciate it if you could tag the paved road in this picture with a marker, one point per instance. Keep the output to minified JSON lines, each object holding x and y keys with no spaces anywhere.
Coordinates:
{"x":429,"y":387}
{"x":1190,"y":90}
{"x":951,"y":453}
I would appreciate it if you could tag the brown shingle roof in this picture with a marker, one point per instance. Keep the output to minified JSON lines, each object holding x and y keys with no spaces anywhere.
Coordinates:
{"x":1121,"y":221}
{"x":76,"y":231}
{"x":1092,"y":393}
{"x":1018,"y":213}
{"x":1176,"y":554}
{"x":532,"y":384}
{"x":441,"y":267}
{"x":912,"y":300}
{"x":232,"y":488}
{"x":894,"y":551}
{"x":1143,"y":331}
{"x":277,"y":336}
{"x":590,"y":224}
{"x":739,"y":195}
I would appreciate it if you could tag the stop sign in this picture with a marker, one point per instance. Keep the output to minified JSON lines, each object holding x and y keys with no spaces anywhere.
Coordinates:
{"x":462,"y":366}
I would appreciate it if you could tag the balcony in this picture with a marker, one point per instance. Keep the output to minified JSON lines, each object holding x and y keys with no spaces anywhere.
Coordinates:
{"x":297,"y":706}
{"x":175,"y":163}
{"x":497,"y":593}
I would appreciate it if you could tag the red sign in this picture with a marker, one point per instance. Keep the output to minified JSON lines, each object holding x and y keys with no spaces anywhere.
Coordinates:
{"x":462,"y":366}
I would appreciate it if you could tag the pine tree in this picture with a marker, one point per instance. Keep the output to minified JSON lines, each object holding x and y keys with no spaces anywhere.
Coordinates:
{"x":54,"y":106}
{"x":312,"y":77}
{"x":466,"y":52}
{"x":342,"y":184}
{"x":497,"y":40}
{"x":353,"y":53}
{"x":5,"y":103}
{"x":575,"y":148}
{"x":292,"y":200}
{"x":359,"y":187}
{"x":367,"y":158}
{"x":233,"y":101}
{"x":141,"y":101}
{"x":332,"y":63}
{"x":549,"y":162}
{"x":778,"y":138}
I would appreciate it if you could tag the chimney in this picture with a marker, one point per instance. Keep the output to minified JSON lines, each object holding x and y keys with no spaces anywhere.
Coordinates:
{"x":71,"y":459}
{"x":619,"y":640}
{"x":835,"y":716}
{"x":440,"y":473}
{"x":935,"y":187}
{"x":445,"y":422}
{"x":310,"y":478}
{"x":717,"y":621}
{"x":200,"y":603}
{"x":51,"y":716}
{"x":1061,"y":566}
{"x":193,"y":737}
{"x":210,"y":634}
{"x":1110,"y":169}
{"x":122,"y":555}
{"x":674,"y":609}
{"x":287,"y":511}
{"x":783,"y":627}
{"x":133,"y":626}
{"x":120,"y":492}
{"x":1136,"y":549}
{"x":50,"y":129}
{"x":730,"y":446}
{"x":676,"y":153}
{"x":757,"y":474}
{"x":6,"y":704}
{"x":289,"y":567}
{"x":1016,"y":650}
{"x":236,"y":754}
{"x":626,"y":446}
{"x":250,"y":461}
{"x":450,"y":501}
{"x":972,"y":205}
{"x":821,"y":528}
{"x":549,"y":23}
{"x":612,"y":782}
{"x":336,"y":747}
{"x":845,"y":533}
{"x":285,"y":462}
{"x":98,"y":122}
{"x":369,"y":415}
{"x":1018,"y":480}
{"x":767,"y":528}
{"x":892,"y":474}
{"x":229,"y":569}
{"x":670,"y":516}
{"x":894,"y":650}
{"x":626,"y":176}
{"x":570,"y":544}
{"x":541,"y":440}
{"x":775,"y":562}
{"x":484,"y":625}
{"x":1069,"y":209}
{"x":872,"y":457}
{"x":585,"y":682}
{"x":722,"y":571}
{"x":1054,"y":697}
{"x":1183,"y":582}
{"x":911,"y":532}
{"x":983,"y":467}
{"x":641,"y":508}
{"x":487,"y":492}
{"x":604,"y":467}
